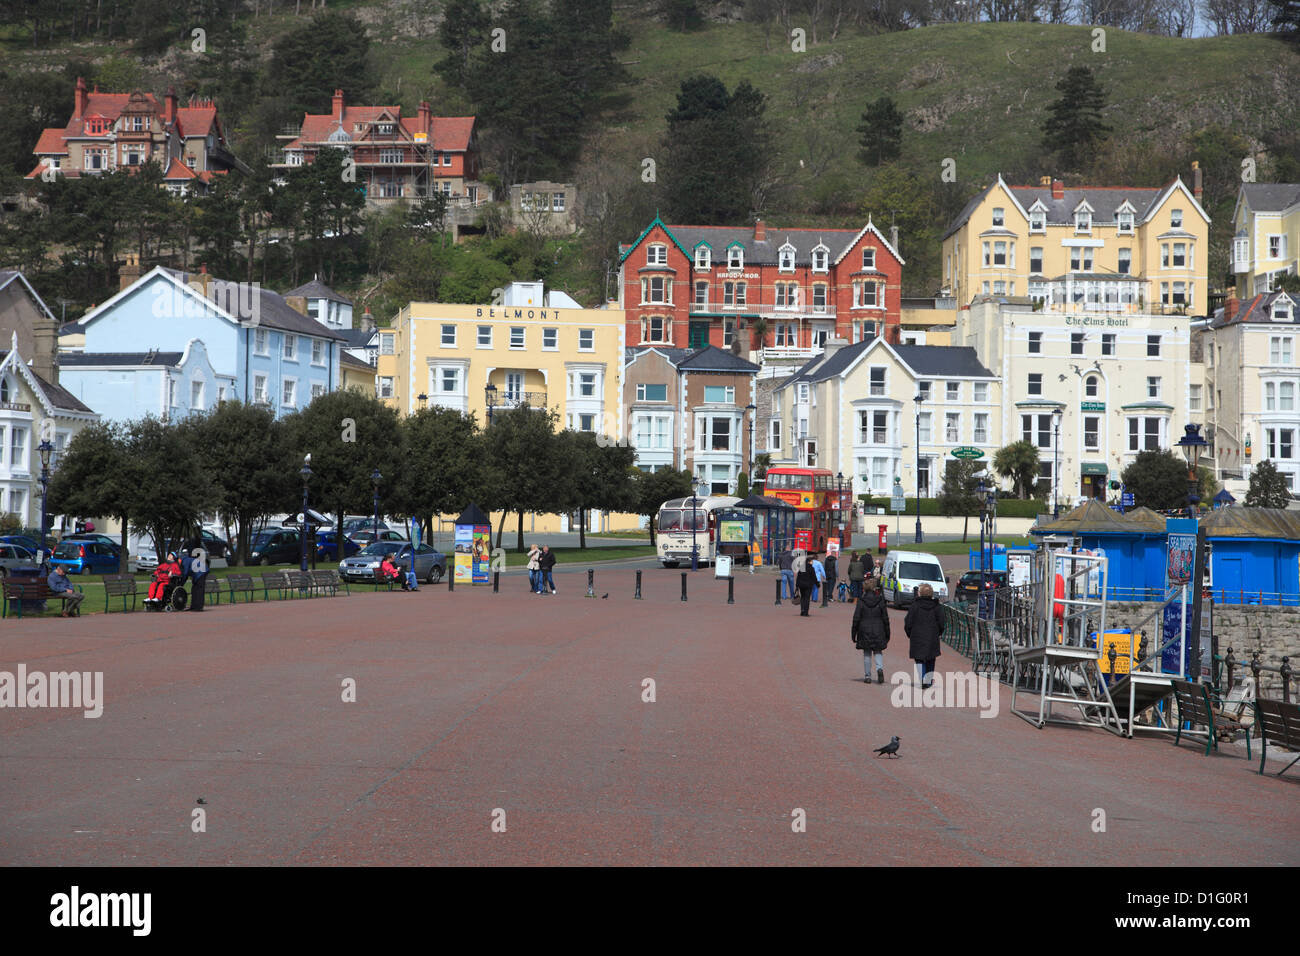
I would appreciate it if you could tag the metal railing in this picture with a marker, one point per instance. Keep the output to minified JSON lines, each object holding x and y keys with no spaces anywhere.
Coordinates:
{"x":1227,"y":664}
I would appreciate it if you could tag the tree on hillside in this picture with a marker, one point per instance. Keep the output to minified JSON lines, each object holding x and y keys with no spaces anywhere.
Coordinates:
{"x":1074,"y":127}
{"x":1157,"y":480}
{"x":328,"y":52}
{"x":1019,"y":462}
{"x":651,"y":489}
{"x":1286,"y":18}
{"x":1267,"y":487}
{"x":959,"y":495}
{"x":465,"y":29}
{"x":718,"y":149}
{"x":96,"y":478}
{"x":682,"y":15}
{"x":897,"y":196}
{"x":882,"y":132}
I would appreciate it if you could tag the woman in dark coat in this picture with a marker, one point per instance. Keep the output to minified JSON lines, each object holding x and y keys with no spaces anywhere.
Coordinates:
{"x":805,"y":580}
{"x":871,"y":629}
{"x":924,"y":624}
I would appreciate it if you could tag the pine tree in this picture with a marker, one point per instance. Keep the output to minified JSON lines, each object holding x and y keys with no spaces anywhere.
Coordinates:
{"x":1267,"y":487}
{"x":1074,"y":127}
{"x":882,"y":132}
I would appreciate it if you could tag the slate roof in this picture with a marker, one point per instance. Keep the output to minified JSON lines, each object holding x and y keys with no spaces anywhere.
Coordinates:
{"x":351,"y":361}
{"x":720,"y":238}
{"x":1271,"y":197}
{"x":125,"y":359}
{"x":60,"y":397}
{"x":1104,"y":200}
{"x":1093,"y":517}
{"x":1259,"y":310}
{"x":315,"y":289}
{"x":839,"y":360}
{"x":713,"y":359}
{"x":274,"y":312}
{"x":957,"y":360}
{"x":356,"y":338}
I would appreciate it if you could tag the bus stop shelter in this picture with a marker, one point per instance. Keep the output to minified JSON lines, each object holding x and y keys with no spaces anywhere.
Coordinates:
{"x":772,"y":529}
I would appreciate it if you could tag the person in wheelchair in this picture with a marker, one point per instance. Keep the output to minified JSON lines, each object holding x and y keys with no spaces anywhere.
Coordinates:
{"x":165,"y":591}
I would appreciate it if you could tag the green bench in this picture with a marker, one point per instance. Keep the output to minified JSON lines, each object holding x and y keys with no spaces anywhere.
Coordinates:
{"x":120,"y":586}
{"x":1279,"y":722}
{"x":1195,"y":707}
{"x":240,"y":584}
{"x":17,"y":592}
{"x":274,"y":580}
{"x":327,"y":581}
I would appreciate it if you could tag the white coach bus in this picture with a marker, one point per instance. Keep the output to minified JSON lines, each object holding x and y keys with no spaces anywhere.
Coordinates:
{"x":687,"y":523}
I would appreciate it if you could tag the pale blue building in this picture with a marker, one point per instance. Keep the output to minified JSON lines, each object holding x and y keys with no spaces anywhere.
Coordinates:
{"x":171,"y":343}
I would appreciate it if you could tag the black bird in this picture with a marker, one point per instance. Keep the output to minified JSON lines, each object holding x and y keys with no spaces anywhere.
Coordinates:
{"x":202,"y":802}
{"x":605,"y":595}
{"x":890,"y":749}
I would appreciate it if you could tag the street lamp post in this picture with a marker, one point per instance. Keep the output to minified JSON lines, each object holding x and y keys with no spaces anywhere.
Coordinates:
{"x":422,"y":398}
{"x":752,"y":410}
{"x":375,"y":479}
{"x":700,"y":492}
{"x":46,"y":450}
{"x":1191,"y":444}
{"x":491,"y":392}
{"x":1056,"y":463}
{"x":920,"y":399}
{"x":305,"y":472}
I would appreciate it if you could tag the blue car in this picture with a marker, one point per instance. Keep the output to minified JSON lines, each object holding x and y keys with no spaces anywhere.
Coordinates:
{"x":83,"y":556}
{"x":327,"y":548}
{"x":31,"y":544}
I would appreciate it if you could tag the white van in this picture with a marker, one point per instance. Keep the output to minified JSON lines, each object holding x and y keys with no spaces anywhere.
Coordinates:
{"x":905,"y":571}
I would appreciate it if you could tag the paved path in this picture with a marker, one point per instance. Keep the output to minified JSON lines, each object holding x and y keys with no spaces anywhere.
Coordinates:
{"x":470,"y":702}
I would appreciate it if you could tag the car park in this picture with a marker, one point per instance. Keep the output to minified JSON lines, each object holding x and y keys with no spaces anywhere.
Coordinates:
{"x":968,"y":588}
{"x":430,"y":563}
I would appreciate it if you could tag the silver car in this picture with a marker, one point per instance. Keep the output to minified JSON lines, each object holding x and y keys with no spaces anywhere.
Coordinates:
{"x":15,"y":556}
{"x":430,"y":563}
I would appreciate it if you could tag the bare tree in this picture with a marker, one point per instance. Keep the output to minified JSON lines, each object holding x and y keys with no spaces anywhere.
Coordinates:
{"x":1237,"y":16}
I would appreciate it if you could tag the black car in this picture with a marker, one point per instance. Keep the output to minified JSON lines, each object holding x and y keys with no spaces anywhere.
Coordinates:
{"x":214,"y":546}
{"x":275,"y":546}
{"x":968,"y":588}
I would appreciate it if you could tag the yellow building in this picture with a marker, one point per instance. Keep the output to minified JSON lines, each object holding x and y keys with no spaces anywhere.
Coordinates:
{"x":535,"y":349}
{"x":1091,"y":249}
{"x":1266,"y":236}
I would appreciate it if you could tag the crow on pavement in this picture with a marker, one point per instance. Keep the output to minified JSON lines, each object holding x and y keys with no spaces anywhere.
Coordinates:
{"x":890,"y":749}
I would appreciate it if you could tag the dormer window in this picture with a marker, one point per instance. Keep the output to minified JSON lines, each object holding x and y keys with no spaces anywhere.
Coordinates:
{"x":1037,"y":220}
{"x":656,"y":255}
{"x":385,"y":129}
{"x":735,"y":258}
{"x":96,"y":126}
{"x":1124,"y":222}
{"x":1175,"y":219}
{"x":703,"y":257}
{"x":821,"y":259}
{"x":1282,"y":309}
{"x":999,"y":217}
{"x":785,"y":258}
{"x":1083,"y":220}
{"x":868,"y":258}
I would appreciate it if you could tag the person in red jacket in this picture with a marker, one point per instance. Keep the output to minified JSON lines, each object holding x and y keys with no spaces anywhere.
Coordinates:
{"x":162,"y":575}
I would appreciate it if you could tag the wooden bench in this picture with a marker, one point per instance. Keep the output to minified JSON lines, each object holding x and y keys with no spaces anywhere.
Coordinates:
{"x":387,"y":583}
{"x":1195,"y":707}
{"x":211,"y":589}
{"x":16,"y":593}
{"x":240,"y":584}
{"x":299,"y":581}
{"x":1279,"y":722}
{"x":119,"y":586}
{"x":274,"y":580}
{"x":328,"y":582}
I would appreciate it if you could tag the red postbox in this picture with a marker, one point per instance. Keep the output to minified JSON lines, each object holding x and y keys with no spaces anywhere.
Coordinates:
{"x":882,"y":543}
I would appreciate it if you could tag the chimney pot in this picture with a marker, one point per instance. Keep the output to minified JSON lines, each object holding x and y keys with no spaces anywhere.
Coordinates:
{"x":760,"y":231}
{"x":1058,"y":189}
{"x":79,"y":99}
{"x":1197,"y":182}
{"x":1230,"y":306}
{"x":338,"y":105}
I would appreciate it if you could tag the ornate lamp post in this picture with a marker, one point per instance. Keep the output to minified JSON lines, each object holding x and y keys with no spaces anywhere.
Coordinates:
{"x":422,"y":398}
{"x":46,"y":450}
{"x":375,"y":479}
{"x":1191,"y":444}
{"x":1056,"y":462}
{"x":752,"y":410}
{"x":700,"y":492}
{"x":920,"y":399}
{"x":305,"y":472}
{"x":490,"y":391}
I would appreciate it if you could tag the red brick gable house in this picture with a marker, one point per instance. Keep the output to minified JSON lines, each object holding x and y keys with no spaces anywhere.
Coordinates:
{"x":692,"y":286}
{"x":111,"y":131}
{"x":397,"y":157}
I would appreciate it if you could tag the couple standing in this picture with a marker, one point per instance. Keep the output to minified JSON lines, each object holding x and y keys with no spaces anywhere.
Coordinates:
{"x":540,"y":563}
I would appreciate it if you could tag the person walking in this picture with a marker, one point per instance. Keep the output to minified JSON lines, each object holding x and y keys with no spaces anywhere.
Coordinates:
{"x":856,"y":576}
{"x":799,"y":565}
{"x":832,"y":575}
{"x":870,"y":631}
{"x":59,"y":584}
{"x":819,"y":570}
{"x":805,"y":579}
{"x":924,"y":624}
{"x":785,"y":561}
{"x":534,"y":568}
{"x":868,"y":565}
{"x":544,"y":564}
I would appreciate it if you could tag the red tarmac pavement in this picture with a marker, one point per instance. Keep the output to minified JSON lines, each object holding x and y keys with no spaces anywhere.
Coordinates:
{"x":470,"y":702}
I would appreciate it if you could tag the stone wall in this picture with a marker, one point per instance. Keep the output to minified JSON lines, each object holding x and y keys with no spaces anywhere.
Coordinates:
{"x":1272,"y":631}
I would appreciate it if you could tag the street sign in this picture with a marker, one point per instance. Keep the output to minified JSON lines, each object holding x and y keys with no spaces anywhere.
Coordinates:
{"x":1092,"y":406}
{"x":1127,"y":499}
{"x":967,"y":452}
{"x":897,"y":504}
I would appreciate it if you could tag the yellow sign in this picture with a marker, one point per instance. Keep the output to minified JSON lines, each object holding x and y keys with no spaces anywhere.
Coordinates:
{"x":755,"y":555}
{"x":1122,"y":641}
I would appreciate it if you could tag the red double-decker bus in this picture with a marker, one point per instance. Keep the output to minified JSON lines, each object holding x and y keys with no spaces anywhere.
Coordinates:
{"x":823,"y":504}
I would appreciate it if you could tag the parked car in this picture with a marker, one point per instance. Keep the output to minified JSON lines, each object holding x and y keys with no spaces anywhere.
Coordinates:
{"x":275,"y":546}
{"x":353,"y":525}
{"x":968,"y":588}
{"x":905,"y":571}
{"x":214,"y":545}
{"x":364,"y":538}
{"x":145,"y":562}
{"x":430,"y":563}
{"x":86,"y":556}
{"x":104,"y":539}
{"x":15,"y":556}
{"x":327,"y":547}
{"x":23,"y":541}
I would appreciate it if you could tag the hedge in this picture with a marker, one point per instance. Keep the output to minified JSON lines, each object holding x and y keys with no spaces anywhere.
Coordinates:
{"x":1007,"y":507}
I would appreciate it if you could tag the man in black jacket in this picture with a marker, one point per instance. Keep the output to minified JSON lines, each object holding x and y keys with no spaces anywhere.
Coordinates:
{"x":924,"y":624}
{"x":805,"y":579}
{"x":544,"y":565}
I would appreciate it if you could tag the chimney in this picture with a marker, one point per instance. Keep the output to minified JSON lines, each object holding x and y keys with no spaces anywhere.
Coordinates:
{"x":45,"y":350}
{"x":893,"y":239}
{"x":423,"y":114}
{"x":79,"y":101}
{"x":338,"y":105}
{"x":832,"y":346}
{"x":367,"y":321}
{"x":129,"y":274}
{"x":760,"y":231}
{"x":297,"y":302}
{"x":1058,"y":189}
{"x":1230,"y":305}
{"x":1196,"y":180}
{"x":169,"y":106}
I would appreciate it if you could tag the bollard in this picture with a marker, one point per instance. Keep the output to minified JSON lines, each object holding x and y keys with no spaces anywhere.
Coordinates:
{"x":1254,"y":669}
{"x":1285,"y":671}
{"x":637,"y":596}
{"x":778,"y":593}
{"x":496,"y":582}
{"x":591,"y":582}
{"x":683,"y":585}
{"x":731,"y":590}
{"x":1231,"y":664}
{"x":451,"y":578}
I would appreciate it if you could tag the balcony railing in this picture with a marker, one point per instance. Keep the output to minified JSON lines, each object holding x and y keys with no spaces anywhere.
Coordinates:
{"x":515,"y":399}
{"x":14,"y":407}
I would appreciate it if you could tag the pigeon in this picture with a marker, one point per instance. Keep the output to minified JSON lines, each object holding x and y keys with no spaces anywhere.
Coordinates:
{"x":890,"y":749}
{"x":202,"y":802}
{"x":604,"y":596}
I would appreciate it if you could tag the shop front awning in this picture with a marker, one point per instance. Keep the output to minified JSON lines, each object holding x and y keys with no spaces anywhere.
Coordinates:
{"x":1094,"y":468}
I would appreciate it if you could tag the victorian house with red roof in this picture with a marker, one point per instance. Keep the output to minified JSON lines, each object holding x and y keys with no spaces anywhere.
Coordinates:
{"x":111,"y":131}
{"x":692,"y":286}
{"x":396,"y":156}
